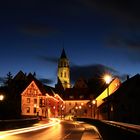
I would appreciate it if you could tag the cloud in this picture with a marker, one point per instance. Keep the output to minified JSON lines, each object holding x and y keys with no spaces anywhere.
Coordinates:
{"x":87,"y":71}
{"x":53,"y":60}
{"x":124,"y":42}
{"x":125,"y":10}
{"x":124,"y":31}
{"x":46,"y":81}
{"x":90,"y":71}
{"x":38,"y":29}
{"x":2,"y":79}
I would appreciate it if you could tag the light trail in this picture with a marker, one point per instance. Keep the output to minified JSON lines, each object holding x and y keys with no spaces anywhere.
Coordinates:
{"x":4,"y":134}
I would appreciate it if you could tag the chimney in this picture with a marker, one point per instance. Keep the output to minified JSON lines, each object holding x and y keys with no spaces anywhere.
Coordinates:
{"x":127,"y":77}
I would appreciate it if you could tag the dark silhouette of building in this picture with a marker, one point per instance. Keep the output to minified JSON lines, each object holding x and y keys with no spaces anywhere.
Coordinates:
{"x":124,"y":103}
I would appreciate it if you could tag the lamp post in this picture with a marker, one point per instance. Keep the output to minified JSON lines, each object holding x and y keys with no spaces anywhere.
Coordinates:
{"x":107,"y":79}
{"x":62,"y":109}
{"x":54,"y":111}
{"x":94,"y":103}
{"x":91,"y":105}
{"x":89,"y":109}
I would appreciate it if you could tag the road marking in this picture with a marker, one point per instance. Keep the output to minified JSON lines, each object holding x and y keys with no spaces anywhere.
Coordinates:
{"x":66,"y":136}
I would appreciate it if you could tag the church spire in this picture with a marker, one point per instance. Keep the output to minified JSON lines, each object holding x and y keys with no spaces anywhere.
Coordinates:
{"x":63,"y":72}
{"x":63,"y":54}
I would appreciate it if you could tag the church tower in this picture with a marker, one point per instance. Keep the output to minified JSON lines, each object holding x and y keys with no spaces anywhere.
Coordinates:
{"x":63,"y":72}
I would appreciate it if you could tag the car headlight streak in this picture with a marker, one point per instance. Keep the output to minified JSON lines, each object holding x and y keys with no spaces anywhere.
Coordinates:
{"x":4,"y":134}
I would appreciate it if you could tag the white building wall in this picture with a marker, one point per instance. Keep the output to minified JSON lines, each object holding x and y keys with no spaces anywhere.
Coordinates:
{"x":72,"y":107}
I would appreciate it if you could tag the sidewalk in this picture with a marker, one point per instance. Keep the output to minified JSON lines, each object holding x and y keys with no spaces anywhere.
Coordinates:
{"x":90,"y":133}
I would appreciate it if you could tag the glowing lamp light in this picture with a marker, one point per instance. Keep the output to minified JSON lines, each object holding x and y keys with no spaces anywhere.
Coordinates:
{"x":76,"y":107}
{"x":80,"y":107}
{"x":1,"y":97}
{"x":107,"y":79}
{"x":94,"y":102}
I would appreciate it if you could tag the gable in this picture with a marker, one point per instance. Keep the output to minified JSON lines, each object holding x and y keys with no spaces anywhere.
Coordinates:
{"x":32,"y":90}
{"x":80,"y":83}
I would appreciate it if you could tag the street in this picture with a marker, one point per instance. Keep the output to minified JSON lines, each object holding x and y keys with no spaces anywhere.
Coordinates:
{"x":65,"y":130}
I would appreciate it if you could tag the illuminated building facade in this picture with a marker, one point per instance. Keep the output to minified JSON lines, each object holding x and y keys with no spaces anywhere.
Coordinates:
{"x":38,"y":100}
{"x":33,"y":98}
{"x":41,"y":100}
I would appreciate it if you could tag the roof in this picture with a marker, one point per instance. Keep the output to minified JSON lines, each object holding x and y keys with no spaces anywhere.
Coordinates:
{"x":43,"y":88}
{"x":20,"y":76}
{"x":76,"y":94}
{"x":80,"y":83}
{"x":63,"y":54}
{"x":128,"y":89}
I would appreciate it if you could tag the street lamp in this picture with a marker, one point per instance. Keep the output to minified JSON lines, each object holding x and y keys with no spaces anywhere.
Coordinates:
{"x":62,"y":109}
{"x":1,"y":97}
{"x":94,"y":103}
{"x":107,"y":79}
{"x":54,"y":111}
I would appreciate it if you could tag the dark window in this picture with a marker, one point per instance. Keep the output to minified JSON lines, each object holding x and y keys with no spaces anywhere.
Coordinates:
{"x":34,"y":109}
{"x":61,"y":74}
{"x":61,"y":64}
{"x":65,"y":64}
{"x":40,"y":102}
{"x":35,"y":101}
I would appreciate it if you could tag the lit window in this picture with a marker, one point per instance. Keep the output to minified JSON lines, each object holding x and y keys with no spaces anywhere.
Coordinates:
{"x":28,"y":100}
{"x":71,"y":97}
{"x":43,"y":102}
{"x":81,"y":96}
{"x":28,"y":109}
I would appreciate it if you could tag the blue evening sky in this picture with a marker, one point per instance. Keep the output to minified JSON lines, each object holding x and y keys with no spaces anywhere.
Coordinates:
{"x":33,"y":33}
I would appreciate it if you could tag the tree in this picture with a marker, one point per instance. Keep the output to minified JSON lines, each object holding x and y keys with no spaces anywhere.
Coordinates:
{"x":8,"y":78}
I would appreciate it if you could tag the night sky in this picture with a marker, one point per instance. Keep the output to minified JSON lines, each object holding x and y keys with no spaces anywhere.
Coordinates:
{"x":98,"y":35}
